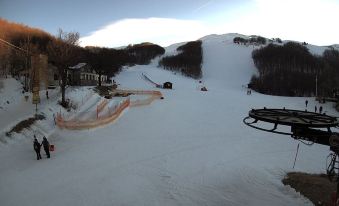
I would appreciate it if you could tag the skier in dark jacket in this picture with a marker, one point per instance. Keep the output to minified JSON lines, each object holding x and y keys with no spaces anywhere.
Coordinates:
{"x":45,"y":143}
{"x":37,"y":146}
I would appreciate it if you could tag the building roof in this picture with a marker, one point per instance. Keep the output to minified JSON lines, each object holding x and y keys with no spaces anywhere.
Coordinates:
{"x":78,"y":66}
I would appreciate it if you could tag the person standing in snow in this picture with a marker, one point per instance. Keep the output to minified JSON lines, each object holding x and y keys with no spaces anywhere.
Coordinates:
{"x":37,"y":146}
{"x":320,"y":109}
{"x":315,"y":109}
{"x":306,"y":102}
{"x":45,"y":143}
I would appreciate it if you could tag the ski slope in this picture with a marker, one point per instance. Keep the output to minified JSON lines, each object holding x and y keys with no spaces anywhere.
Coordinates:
{"x":191,"y":148}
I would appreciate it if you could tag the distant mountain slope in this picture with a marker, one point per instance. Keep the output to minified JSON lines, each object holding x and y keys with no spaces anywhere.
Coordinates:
{"x":226,"y":64}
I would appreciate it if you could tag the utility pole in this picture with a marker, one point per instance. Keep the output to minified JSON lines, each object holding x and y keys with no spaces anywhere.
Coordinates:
{"x":316,"y":85}
{"x":35,"y":81}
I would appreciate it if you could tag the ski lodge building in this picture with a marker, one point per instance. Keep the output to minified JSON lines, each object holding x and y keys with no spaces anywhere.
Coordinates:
{"x":79,"y":75}
{"x":83,"y":75}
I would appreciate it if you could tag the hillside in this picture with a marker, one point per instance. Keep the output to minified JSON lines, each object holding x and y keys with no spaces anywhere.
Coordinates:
{"x":292,"y":70}
{"x":190,"y":148}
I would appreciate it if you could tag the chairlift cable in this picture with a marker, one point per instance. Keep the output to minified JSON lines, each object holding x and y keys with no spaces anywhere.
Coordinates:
{"x":13,"y":46}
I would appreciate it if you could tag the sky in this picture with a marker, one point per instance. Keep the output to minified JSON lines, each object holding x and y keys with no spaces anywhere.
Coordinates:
{"x":119,"y":23}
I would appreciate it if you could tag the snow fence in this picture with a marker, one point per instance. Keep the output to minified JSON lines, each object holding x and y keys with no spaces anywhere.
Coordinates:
{"x":74,"y":124}
{"x":77,"y":105}
{"x":153,"y":95}
{"x":112,"y":112}
{"x":101,"y":106}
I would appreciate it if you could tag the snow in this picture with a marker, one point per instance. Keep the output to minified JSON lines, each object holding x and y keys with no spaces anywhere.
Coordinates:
{"x":226,"y":64}
{"x":78,"y":66}
{"x":13,"y":106}
{"x":191,"y":148}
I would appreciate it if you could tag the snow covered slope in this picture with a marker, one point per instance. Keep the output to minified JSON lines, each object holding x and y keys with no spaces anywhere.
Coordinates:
{"x":191,"y":148}
{"x":225,"y":64}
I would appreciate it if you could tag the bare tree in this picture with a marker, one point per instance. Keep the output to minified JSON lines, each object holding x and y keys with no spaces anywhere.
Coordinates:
{"x":62,"y":53}
{"x":101,"y":60}
{"x":31,"y":49}
{"x":5,"y":59}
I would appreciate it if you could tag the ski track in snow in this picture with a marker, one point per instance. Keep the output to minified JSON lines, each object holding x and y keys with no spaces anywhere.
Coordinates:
{"x":189,"y":149}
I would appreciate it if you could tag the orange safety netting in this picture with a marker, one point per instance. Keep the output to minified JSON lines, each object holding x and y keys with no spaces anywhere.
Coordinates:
{"x":101,"y":106}
{"x":73,"y":124}
{"x":113,"y":112}
{"x":153,"y":96}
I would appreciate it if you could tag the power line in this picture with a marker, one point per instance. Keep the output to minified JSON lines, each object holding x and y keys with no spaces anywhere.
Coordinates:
{"x":12,"y":45}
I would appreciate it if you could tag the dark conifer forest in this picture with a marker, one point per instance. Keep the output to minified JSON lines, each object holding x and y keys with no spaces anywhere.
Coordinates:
{"x":143,"y":53}
{"x":188,"y":61}
{"x":291,"y":70}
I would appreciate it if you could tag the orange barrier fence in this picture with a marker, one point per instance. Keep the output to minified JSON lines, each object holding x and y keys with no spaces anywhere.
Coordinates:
{"x":154,"y":95}
{"x":143,"y":102}
{"x":113,"y":112}
{"x":79,"y":104}
{"x":72,"y":124}
{"x":141,"y":92}
{"x":101,"y":106}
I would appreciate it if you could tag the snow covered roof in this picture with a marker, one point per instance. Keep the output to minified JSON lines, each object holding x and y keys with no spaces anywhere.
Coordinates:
{"x":78,"y":66}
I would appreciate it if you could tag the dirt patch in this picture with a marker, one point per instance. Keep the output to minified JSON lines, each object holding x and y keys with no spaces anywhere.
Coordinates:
{"x":25,"y":124}
{"x":108,"y":92}
{"x":122,"y":94}
{"x":103,"y":90}
{"x":316,"y":187}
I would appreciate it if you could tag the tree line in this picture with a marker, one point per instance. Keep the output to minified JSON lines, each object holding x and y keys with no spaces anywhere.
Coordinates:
{"x":30,"y":39}
{"x":188,"y":61}
{"x":291,"y":70}
{"x":251,"y":40}
{"x":63,"y":51}
{"x":143,"y":53}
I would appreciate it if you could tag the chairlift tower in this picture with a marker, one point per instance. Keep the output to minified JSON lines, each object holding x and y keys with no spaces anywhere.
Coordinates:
{"x":308,"y":127}
{"x":39,"y":73}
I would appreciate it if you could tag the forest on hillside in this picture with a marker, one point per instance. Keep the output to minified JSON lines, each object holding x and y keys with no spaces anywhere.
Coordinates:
{"x":291,"y":70}
{"x":252,"y":40}
{"x":30,"y":39}
{"x":20,"y":42}
{"x":104,"y":60}
{"x":188,"y":61}
{"x":143,"y":53}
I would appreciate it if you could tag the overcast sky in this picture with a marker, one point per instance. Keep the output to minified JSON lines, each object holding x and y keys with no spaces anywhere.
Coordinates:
{"x":117,"y":23}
